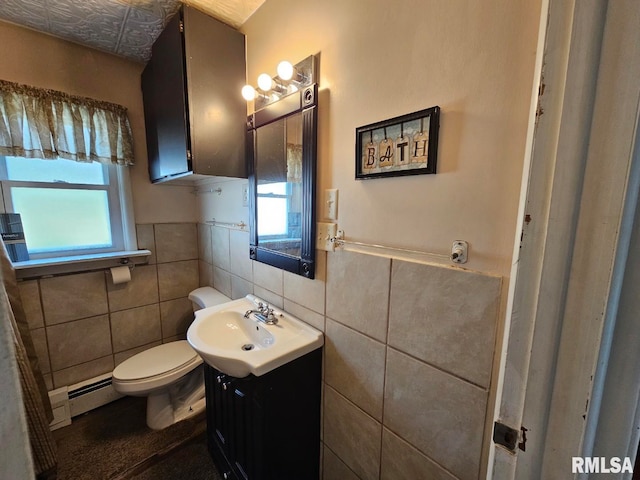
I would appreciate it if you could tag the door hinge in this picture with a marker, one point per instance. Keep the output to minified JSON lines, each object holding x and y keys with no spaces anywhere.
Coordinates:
{"x":508,"y":437}
{"x":181,"y":26}
{"x":189,"y":157}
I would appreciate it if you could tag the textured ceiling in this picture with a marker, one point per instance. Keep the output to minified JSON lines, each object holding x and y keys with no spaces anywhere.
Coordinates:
{"x":124,"y":27}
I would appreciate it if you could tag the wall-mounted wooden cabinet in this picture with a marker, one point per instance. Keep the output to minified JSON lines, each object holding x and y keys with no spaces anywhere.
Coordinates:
{"x":195,"y":117}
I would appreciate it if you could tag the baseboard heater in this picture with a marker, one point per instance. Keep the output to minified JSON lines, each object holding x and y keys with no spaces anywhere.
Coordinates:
{"x":74,"y":400}
{"x":90,"y":394}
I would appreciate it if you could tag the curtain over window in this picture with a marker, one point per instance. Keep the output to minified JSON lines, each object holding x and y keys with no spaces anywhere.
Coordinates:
{"x":294,"y":163}
{"x":39,"y":123}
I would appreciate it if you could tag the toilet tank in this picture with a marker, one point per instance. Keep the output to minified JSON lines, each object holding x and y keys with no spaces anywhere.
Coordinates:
{"x":206,"y":297}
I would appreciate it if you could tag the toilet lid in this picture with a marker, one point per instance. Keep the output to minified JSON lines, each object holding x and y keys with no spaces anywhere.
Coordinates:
{"x":156,"y":361}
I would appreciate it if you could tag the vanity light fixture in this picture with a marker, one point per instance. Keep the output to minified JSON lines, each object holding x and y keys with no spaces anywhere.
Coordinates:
{"x":249,"y":93}
{"x":265,"y":82}
{"x":287,"y":72}
{"x":290,"y":79}
{"x":268,"y":84}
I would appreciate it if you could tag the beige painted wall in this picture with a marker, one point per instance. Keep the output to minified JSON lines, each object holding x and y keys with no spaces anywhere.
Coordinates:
{"x":379,"y":60}
{"x":43,"y":61}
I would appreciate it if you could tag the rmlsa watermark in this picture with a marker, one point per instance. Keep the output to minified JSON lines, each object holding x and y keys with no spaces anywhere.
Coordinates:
{"x":601,"y":465}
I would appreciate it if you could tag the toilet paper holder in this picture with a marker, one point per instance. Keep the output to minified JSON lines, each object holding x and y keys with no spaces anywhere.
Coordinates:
{"x":121,"y":273}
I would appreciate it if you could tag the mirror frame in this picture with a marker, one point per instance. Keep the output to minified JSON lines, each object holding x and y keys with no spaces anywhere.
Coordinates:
{"x":305,"y":102}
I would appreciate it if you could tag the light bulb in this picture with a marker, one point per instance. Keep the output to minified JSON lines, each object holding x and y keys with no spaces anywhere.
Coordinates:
{"x":285,"y":70}
{"x":248,"y":92}
{"x":265,"y":82}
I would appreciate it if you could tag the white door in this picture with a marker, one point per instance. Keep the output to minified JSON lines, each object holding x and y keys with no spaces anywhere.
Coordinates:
{"x":579,"y":196}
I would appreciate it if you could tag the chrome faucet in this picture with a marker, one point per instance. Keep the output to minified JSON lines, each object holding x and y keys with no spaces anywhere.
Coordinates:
{"x":264,"y":314}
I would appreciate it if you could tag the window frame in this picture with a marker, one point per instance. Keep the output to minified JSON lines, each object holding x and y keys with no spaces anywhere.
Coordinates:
{"x":116,"y":184}
{"x":285,"y":196}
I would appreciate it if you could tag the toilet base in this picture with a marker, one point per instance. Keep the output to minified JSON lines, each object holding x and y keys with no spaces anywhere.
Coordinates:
{"x":179,"y":402}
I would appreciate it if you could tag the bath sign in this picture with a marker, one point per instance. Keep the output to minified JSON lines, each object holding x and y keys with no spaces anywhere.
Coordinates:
{"x":406,"y":145}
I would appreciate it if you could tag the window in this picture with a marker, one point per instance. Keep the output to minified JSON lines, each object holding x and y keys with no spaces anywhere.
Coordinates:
{"x":63,"y":162}
{"x":273,"y":203}
{"x":66,"y":207}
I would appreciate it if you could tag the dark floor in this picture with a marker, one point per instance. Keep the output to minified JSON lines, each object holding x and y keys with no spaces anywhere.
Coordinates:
{"x":113,"y":442}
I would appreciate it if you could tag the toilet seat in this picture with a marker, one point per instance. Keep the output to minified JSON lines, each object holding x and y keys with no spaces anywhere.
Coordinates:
{"x":155,"y":368}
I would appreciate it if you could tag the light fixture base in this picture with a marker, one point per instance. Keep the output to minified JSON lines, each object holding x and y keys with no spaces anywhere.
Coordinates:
{"x":307,"y":70}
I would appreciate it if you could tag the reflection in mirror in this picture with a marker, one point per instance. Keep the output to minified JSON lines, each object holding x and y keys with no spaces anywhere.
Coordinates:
{"x":281,"y":162}
{"x":278,"y":152}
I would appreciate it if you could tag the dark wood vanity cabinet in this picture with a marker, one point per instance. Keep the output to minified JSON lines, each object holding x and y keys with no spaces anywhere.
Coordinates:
{"x":267,"y":427}
{"x":195,"y":116}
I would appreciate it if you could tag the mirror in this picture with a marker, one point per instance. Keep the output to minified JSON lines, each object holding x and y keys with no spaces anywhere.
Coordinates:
{"x":281,"y":157}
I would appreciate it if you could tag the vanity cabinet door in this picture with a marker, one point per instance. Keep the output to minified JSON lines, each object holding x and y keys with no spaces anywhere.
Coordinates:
{"x":267,"y":427}
{"x":248,"y":432}
{"x":235,"y":425}
{"x":218,"y":420}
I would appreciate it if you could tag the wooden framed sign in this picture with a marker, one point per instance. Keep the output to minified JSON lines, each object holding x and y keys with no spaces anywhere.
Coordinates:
{"x":406,"y":145}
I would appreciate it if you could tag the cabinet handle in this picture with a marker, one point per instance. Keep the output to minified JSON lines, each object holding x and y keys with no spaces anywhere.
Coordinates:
{"x":219,"y":378}
{"x":224,"y":385}
{"x":226,"y":475}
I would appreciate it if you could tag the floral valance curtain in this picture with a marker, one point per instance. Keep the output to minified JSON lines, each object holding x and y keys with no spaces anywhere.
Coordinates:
{"x":294,"y":163}
{"x":39,"y":123}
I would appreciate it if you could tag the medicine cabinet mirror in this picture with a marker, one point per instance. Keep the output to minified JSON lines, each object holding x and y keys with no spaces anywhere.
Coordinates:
{"x":281,"y":157}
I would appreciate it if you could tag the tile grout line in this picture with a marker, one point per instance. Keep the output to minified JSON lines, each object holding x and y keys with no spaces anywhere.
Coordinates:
{"x":155,"y":265}
{"x":46,"y":331}
{"x":324,"y":362}
{"x":384,"y":375}
{"x":432,"y":460}
{"x":341,"y":461}
{"x":106,"y":292}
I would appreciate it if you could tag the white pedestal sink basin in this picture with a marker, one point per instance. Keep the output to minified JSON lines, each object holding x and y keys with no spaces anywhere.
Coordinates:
{"x":239,"y":345}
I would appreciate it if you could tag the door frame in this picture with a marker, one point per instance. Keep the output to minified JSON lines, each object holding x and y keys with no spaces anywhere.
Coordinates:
{"x":570,"y":252}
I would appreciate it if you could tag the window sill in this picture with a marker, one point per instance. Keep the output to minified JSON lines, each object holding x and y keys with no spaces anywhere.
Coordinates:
{"x":79,"y":263}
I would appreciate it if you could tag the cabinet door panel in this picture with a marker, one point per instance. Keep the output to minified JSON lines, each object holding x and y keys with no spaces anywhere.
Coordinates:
{"x":163,"y":88}
{"x":267,"y":427}
{"x":242,"y":428}
{"x":215,"y":61}
{"x":215,"y":438}
{"x":227,"y":414}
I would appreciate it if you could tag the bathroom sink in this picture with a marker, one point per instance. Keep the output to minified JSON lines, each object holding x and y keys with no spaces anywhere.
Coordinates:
{"x":238,"y":345}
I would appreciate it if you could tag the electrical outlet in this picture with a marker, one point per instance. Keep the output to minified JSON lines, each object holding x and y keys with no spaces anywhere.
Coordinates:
{"x":331,"y":203}
{"x":325,"y":232}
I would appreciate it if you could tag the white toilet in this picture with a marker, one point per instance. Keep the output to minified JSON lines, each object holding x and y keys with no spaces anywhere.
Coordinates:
{"x":170,"y":375}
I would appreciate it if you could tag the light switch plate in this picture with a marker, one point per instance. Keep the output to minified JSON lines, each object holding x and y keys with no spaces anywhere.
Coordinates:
{"x":245,"y":195}
{"x":325,"y":233}
{"x":331,"y":203}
